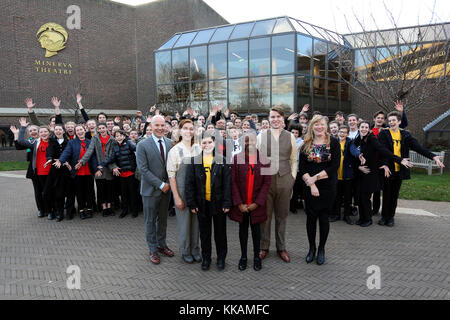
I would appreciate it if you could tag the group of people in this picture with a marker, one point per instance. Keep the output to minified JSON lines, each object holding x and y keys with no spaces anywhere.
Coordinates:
{"x":209,"y":168}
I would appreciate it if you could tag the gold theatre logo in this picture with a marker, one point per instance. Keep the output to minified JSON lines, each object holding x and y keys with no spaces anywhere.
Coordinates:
{"x":53,"y":38}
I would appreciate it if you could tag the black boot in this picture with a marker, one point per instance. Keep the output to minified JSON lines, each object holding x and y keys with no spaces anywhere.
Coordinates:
{"x":89,"y":213}
{"x":111,"y":211}
{"x":40,"y":214}
{"x":243,"y":264}
{"x":311,"y":255}
{"x":348,"y":220}
{"x":124,"y":213}
{"x":69,"y":213}
{"x":50,"y":216}
{"x":257,"y":264}
{"x":59,"y":215}
{"x":105,"y":212}
{"x":320,"y":256}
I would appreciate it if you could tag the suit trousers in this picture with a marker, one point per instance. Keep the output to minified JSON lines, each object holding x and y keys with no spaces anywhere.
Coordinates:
{"x":278,"y":201}
{"x":188,"y":232}
{"x":155,"y":215}
{"x":205,"y":220}
{"x":391,"y":191}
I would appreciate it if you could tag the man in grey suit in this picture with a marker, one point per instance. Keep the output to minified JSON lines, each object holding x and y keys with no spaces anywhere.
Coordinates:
{"x":151,"y":156}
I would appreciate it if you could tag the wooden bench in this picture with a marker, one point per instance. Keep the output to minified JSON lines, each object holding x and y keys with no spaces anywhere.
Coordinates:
{"x":419,"y":161}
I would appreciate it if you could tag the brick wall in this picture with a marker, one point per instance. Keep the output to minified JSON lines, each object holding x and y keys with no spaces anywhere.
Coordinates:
{"x":111,"y":56}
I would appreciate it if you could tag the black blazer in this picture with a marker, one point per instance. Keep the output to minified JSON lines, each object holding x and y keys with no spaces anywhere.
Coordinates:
{"x":220,"y":185}
{"x":407,"y":142}
{"x":369,"y":146}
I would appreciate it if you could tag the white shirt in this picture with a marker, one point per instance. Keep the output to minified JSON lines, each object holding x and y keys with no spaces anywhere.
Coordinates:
{"x":352,"y":134}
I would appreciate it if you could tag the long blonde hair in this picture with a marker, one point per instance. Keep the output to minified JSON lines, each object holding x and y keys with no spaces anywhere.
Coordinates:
{"x":309,"y":136}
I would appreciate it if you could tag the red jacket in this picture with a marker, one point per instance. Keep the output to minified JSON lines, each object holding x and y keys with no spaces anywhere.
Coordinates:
{"x":261,"y":188}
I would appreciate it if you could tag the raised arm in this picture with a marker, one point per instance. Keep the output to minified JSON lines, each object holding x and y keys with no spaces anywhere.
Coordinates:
{"x":31,"y":114}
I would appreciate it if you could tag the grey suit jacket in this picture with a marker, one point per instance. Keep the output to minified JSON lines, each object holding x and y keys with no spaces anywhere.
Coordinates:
{"x":151,"y":167}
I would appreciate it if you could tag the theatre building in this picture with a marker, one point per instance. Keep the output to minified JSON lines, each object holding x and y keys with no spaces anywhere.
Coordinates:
{"x":179,"y":53}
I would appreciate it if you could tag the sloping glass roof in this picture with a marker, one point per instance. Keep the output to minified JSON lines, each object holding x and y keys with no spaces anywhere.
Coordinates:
{"x":251,"y":29}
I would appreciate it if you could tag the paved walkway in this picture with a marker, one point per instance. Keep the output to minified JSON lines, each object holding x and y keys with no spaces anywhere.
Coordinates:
{"x":413,"y":257}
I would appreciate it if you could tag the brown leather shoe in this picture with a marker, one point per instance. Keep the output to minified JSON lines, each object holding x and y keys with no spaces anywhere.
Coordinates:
{"x":284,"y":256}
{"x":263,"y":253}
{"x":166,"y":251}
{"x":154,"y":258}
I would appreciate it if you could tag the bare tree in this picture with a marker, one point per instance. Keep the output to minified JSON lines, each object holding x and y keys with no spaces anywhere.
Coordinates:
{"x":409,"y":64}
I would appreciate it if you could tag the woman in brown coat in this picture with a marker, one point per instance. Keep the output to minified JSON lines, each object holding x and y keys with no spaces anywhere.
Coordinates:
{"x":249,"y":188}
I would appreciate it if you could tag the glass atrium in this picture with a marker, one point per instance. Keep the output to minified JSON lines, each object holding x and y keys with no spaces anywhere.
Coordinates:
{"x":252,"y":66}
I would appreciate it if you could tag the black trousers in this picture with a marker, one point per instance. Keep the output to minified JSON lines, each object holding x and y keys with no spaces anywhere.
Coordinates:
{"x":296,"y":194}
{"x":243,"y":236}
{"x":129,"y":194}
{"x":43,"y":190}
{"x":355,"y":194}
{"x":84,"y":185}
{"x":343,"y":195}
{"x":205,"y":220}
{"x":391,"y":191}
{"x":104,"y":191}
{"x":116,"y":191}
{"x":37,"y":194}
{"x":365,"y":207}
{"x":376,"y":201}
{"x":312,"y":215}
{"x":71,"y":191}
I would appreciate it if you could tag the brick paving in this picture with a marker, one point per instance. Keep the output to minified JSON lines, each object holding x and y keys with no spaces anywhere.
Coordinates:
{"x":414,"y":259}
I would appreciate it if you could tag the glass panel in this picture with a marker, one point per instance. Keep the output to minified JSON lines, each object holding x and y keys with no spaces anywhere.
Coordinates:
{"x":345,"y":91}
{"x":198,"y":63}
{"x":259,"y":56}
{"x":203,"y":36}
{"x":321,"y":32}
{"x":263,"y":27}
{"x":283,"y":54}
{"x":218,"y":61}
{"x":303,"y":95}
{"x":185,"y":39}
{"x":238,"y":59}
{"x":298,"y":26}
{"x":320,"y":54}
{"x":259,"y":95}
{"x":363,"y":60}
{"x":238,"y":94}
{"x":304,"y":53}
{"x":162,"y":63}
{"x":218,"y":92}
{"x":164,"y":98}
{"x":170,"y":43}
{"x":242,"y":30}
{"x":283,"y":92}
{"x":222,"y":33}
{"x":333,"y":61}
{"x":180,"y":65}
{"x":181,"y":94}
{"x":320,"y":104}
{"x":199,"y":97}
{"x":282,"y":26}
{"x":319,"y":87}
{"x":311,"y":30}
{"x":333,"y":89}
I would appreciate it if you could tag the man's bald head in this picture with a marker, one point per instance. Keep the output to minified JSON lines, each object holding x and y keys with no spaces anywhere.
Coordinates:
{"x":158,"y":124}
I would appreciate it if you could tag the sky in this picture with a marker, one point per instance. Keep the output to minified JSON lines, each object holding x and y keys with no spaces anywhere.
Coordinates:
{"x":336,"y":15}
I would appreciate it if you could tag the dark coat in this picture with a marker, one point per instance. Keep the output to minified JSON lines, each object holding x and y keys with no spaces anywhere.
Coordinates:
{"x":349,"y":160}
{"x":370,"y":147}
{"x":54,"y":151}
{"x":123,"y":155}
{"x":407,"y":142}
{"x":71,"y":154}
{"x":261,"y":186}
{"x":220,"y":185}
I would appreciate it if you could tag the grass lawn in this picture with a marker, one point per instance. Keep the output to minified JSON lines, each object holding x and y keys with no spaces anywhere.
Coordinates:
{"x":425,"y":187}
{"x":13,"y":165}
{"x":420,"y":187}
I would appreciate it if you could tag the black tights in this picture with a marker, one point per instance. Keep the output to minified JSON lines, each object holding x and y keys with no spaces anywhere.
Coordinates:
{"x":311,"y":227}
{"x":243,"y":236}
